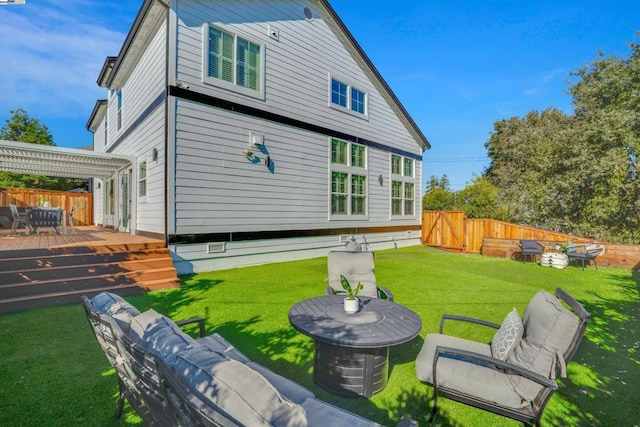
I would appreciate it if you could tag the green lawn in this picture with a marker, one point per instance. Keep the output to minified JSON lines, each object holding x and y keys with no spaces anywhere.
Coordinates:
{"x":54,"y":373}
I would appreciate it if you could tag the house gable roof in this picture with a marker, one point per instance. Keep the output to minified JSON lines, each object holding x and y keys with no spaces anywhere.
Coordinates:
{"x":152,"y":10}
{"x":98,"y":113}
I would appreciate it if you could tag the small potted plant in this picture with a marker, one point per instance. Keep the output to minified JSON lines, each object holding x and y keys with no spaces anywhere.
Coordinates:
{"x":351,"y":302}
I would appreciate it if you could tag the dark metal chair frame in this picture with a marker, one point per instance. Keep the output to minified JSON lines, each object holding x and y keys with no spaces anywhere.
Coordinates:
{"x":529,"y":415}
{"x":531,"y":249}
{"x":582,"y":254}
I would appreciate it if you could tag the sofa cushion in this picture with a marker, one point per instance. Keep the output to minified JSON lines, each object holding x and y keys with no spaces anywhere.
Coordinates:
{"x":115,"y":306}
{"x":216,"y":342}
{"x":508,"y":336}
{"x":290,"y":390}
{"x":469,"y":378}
{"x":238,"y":390}
{"x":549,"y":329}
{"x":160,"y":336}
{"x":321,"y":413}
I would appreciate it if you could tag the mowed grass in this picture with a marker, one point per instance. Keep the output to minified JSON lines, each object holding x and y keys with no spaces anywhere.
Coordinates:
{"x":54,"y":373}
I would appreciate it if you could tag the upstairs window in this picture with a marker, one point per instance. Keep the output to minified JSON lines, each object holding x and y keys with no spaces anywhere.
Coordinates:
{"x":233,"y":62}
{"x":119,"y":114}
{"x":348,"y":98}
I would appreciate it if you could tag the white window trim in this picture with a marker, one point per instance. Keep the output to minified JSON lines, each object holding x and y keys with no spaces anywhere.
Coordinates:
{"x":143,"y":198}
{"x":350,"y":171}
{"x":260,"y":94}
{"x":404,"y":180}
{"x":119,"y":109}
{"x":348,"y":109}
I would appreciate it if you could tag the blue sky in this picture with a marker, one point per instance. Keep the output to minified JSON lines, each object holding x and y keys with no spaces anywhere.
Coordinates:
{"x":457,"y":66}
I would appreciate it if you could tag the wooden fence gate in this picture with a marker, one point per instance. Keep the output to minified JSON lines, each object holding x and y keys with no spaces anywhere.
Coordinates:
{"x":445,"y":229}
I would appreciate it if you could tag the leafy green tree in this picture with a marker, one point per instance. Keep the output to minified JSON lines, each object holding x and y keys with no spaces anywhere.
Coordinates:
{"x":605,"y":162}
{"x":480,"y":199}
{"x":23,"y":128}
{"x":438,"y":196}
{"x":582,"y":170}
{"x":524,"y":165}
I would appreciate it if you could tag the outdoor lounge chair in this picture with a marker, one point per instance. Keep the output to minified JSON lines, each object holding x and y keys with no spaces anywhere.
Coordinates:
{"x":513,"y":376}
{"x":531,"y":249}
{"x":356,"y":267}
{"x":19,"y":219}
{"x":585,"y":253}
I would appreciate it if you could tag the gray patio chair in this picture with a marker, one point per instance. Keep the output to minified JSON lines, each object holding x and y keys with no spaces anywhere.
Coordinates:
{"x":585,"y":253}
{"x":356,"y":267}
{"x":531,"y":249}
{"x":19,"y":219}
{"x":514,"y":375}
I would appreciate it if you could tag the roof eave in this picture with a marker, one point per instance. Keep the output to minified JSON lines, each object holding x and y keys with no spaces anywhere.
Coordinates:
{"x":135,"y":31}
{"x":105,"y":72}
{"x":98,"y":113}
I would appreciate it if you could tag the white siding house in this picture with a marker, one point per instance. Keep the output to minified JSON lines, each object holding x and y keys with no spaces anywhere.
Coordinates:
{"x":262,"y":133}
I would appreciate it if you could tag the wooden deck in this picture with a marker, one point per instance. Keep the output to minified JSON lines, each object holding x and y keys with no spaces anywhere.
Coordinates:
{"x":85,"y":236}
{"x":51,"y":269}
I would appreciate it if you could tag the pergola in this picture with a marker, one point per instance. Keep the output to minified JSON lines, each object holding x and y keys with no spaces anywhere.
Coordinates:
{"x":35,"y":159}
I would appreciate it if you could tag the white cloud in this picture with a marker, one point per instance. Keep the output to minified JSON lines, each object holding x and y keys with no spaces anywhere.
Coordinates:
{"x":50,"y":59}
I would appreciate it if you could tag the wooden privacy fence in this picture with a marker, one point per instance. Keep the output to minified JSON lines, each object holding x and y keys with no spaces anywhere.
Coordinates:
{"x":24,"y":197}
{"x":453,"y":231}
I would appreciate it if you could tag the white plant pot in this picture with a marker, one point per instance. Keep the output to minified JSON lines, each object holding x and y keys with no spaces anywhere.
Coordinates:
{"x":351,"y":306}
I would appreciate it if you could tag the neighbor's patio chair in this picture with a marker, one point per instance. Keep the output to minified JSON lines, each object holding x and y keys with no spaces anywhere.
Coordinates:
{"x":514,"y":375}
{"x":19,"y":220}
{"x":357,"y":267}
{"x":585,"y":253}
{"x":531,"y":249}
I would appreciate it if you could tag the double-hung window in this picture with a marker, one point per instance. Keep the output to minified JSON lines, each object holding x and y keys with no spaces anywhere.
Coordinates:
{"x":233,"y":62}
{"x":348,"y":179}
{"x":142,"y":179}
{"x":402,"y":186}
{"x":119,"y":113}
{"x":348,"y":98}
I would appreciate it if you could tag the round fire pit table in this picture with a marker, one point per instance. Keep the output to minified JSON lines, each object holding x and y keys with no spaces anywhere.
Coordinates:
{"x":351,"y":355}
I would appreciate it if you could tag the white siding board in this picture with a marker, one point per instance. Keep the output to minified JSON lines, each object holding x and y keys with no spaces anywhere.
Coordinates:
{"x":296,"y":83}
{"x":145,"y":83}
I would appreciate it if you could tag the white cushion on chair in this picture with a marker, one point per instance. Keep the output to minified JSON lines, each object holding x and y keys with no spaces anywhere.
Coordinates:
{"x":508,"y":336}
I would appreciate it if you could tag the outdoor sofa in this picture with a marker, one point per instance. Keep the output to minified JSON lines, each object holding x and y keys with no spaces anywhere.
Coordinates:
{"x":170,"y":378}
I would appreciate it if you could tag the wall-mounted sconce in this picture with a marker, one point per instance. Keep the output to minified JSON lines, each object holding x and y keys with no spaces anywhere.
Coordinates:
{"x":98,"y":185}
{"x":154,"y":154}
{"x":256,"y":140}
{"x":380,"y":179}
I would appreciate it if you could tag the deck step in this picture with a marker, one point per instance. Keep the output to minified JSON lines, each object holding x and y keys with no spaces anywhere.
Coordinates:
{"x":59,"y":298}
{"x":45,"y":277}
{"x":48,"y":260}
